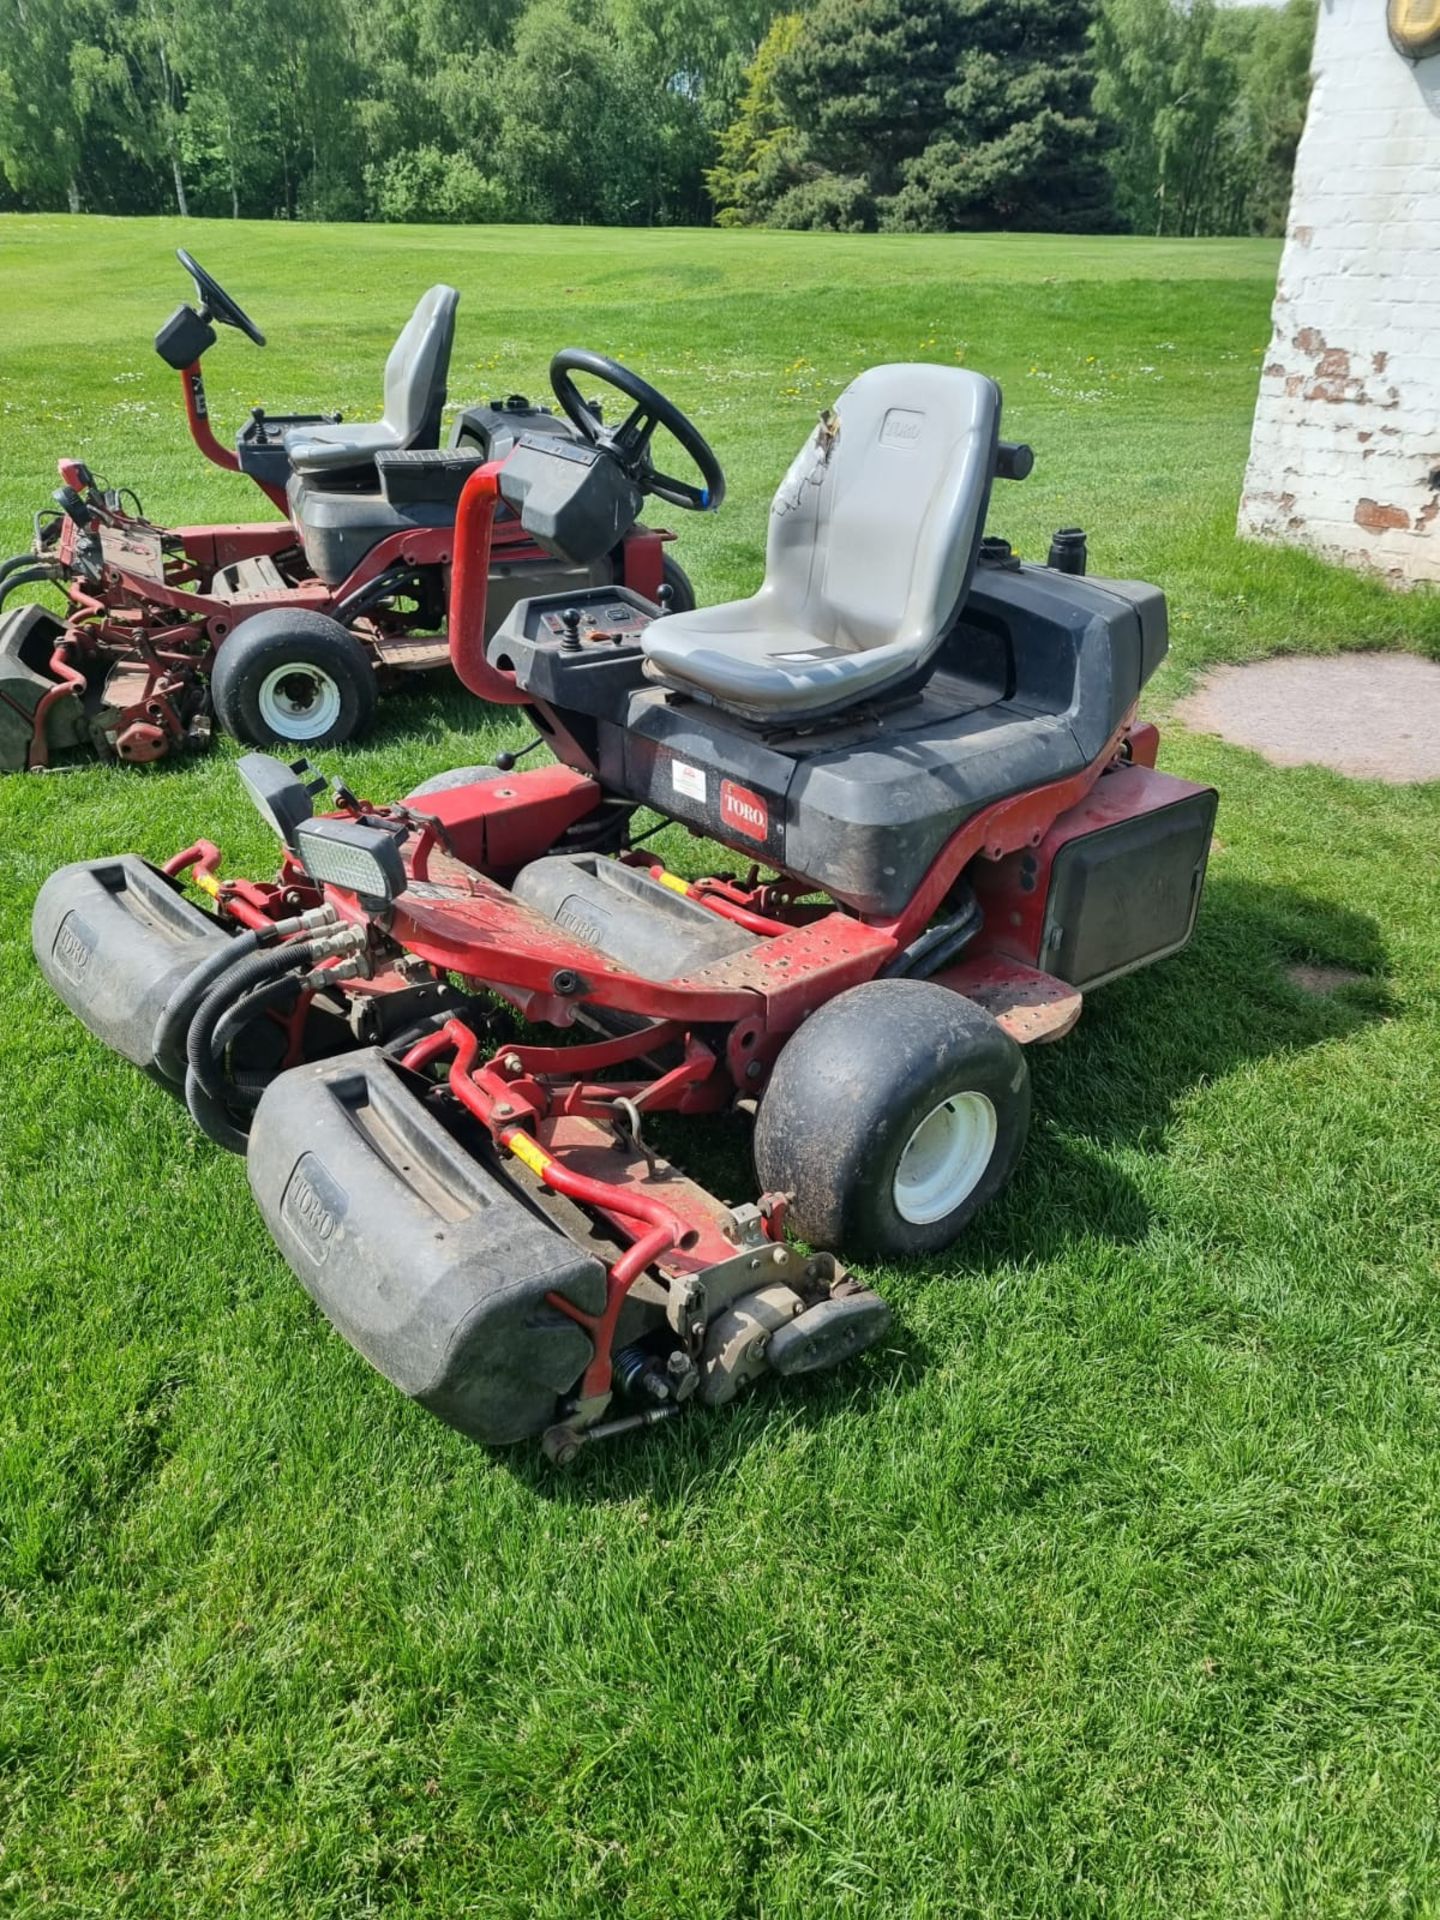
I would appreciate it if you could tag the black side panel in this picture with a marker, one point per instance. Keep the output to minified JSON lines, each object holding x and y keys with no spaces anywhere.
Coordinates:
{"x":115,"y":938}
{"x":1128,"y":894}
{"x":339,"y":527}
{"x":427,"y":1262}
{"x":1154,"y":617}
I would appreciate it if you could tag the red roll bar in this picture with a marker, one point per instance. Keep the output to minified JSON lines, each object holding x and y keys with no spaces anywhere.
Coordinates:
{"x":469,"y":588}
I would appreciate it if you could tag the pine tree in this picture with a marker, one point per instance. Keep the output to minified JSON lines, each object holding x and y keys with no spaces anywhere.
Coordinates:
{"x":1022,"y":145}
{"x":928,"y":114}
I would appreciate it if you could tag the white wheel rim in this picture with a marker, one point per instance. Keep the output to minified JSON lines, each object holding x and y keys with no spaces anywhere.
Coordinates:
{"x":299,"y":702}
{"x":945,"y":1158}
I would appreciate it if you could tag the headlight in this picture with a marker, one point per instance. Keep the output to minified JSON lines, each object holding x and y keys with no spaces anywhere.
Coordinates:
{"x":346,"y":853}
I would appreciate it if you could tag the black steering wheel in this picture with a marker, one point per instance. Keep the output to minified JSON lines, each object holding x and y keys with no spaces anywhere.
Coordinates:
{"x":629,"y":443}
{"x":215,"y":302}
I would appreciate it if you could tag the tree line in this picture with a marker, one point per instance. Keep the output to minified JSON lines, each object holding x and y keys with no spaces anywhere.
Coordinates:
{"x":1168,"y":116}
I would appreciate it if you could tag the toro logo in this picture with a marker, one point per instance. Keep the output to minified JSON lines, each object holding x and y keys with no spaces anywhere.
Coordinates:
{"x":74,"y":944}
{"x":743,"y":810}
{"x":314,"y":1205}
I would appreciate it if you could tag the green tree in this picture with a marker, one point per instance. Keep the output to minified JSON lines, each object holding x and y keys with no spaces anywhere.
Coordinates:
{"x":43,"y":114}
{"x":578,"y":140}
{"x":224,"y":53}
{"x":1208,"y":104}
{"x":424,"y":183}
{"x":148,"y":86}
{"x":920,"y":114}
{"x":1272,"y":50}
{"x":761,"y":153}
{"x":865,"y":83}
{"x":432,"y":77}
{"x":1021,"y":144}
{"x":699,"y":49}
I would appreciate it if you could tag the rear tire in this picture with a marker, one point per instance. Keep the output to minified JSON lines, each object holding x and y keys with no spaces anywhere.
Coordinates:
{"x":292,"y":675}
{"x":892,"y":1116}
{"x":682,"y":590}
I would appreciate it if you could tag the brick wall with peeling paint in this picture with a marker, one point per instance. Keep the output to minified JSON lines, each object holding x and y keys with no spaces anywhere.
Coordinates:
{"x":1345,"y":450}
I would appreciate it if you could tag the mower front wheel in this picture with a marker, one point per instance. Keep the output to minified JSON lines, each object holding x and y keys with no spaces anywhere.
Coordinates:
{"x":891,"y":1117}
{"x":292,"y":675}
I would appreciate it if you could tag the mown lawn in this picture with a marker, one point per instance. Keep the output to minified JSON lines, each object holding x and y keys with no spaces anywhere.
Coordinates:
{"x":1110,"y":1586}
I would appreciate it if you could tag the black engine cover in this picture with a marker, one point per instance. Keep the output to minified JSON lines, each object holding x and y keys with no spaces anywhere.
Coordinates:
{"x":491,"y":431}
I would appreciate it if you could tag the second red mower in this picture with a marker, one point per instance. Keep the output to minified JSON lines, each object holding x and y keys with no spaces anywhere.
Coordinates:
{"x":289,"y":629}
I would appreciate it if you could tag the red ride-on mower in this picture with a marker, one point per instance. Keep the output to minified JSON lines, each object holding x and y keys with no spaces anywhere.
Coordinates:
{"x":288,"y":628}
{"x":948,"y":825}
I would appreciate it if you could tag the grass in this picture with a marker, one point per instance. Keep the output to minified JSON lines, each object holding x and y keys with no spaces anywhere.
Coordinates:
{"x":1110,"y":1586}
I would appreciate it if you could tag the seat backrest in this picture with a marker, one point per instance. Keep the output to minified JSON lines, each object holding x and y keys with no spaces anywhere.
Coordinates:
{"x":875,"y":528}
{"x":417,"y":370}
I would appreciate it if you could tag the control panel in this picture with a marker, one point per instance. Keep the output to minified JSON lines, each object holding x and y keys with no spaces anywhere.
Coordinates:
{"x":260,"y":445}
{"x":588,"y":623}
{"x":269,"y":429}
{"x":580,"y":651}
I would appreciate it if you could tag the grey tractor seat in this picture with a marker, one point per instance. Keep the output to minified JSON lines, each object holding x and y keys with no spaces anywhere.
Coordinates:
{"x":873,"y":537}
{"x":415,"y":379}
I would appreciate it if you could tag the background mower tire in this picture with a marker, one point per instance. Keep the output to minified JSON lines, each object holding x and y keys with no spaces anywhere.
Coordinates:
{"x":891,"y":1117}
{"x":292,"y":676}
{"x":682,"y":591}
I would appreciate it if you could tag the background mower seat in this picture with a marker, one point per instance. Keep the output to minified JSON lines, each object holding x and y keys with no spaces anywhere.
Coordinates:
{"x":415,"y":377}
{"x":873,"y":538}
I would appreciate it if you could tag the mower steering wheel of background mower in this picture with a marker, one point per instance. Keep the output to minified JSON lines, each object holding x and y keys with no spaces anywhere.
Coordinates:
{"x":629,"y":443}
{"x":215,"y":303}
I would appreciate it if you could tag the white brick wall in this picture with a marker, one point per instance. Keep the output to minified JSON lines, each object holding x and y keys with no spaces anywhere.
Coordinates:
{"x":1345,"y":452}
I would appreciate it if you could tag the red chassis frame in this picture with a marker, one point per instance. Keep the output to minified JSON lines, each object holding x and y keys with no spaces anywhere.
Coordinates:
{"x":551,"y":1108}
{"x":153,"y":613}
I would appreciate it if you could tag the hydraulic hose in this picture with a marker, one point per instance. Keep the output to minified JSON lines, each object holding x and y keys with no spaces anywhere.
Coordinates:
{"x":380,"y":588}
{"x":600,"y":832}
{"x":937,"y":946}
{"x":168,"y":1045}
{"x":207,"y":1093}
{"x":27,"y":576}
{"x":213,"y":1119}
{"x":245,"y":1089}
